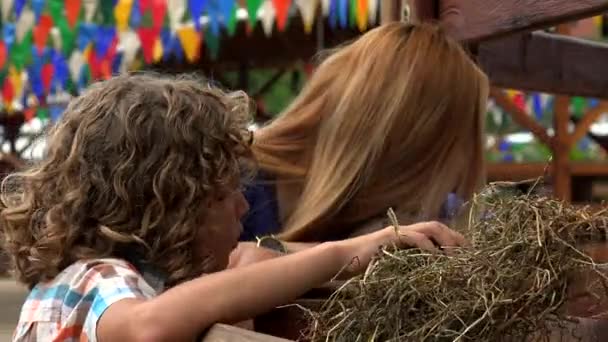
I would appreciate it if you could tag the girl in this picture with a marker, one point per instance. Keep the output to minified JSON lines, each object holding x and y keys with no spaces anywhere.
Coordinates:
{"x":124,"y":231}
{"x":394,"y":119}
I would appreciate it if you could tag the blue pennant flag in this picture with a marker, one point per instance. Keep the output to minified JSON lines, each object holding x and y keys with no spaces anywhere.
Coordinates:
{"x":9,"y":34}
{"x":593,"y":103}
{"x":176,"y":49}
{"x":86,"y":35}
{"x":62,"y":71}
{"x":165,"y":39}
{"x":135,"y":19}
{"x":333,"y":13}
{"x":504,"y":146}
{"x":33,"y":73}
{"x":343,"y":13}
{"x":38,"y":7}
{"x":19,"y":5}
{"x":105,"y":36}
{"x":55,"y":111}
{"x":116,"y":63}
{"x":196,"y":11}
{"x":538,"y":106}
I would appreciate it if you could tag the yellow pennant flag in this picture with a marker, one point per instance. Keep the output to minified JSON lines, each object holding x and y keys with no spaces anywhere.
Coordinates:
{"x":191,"y":42}
{"x":308,"y":8}
{"x":158,"y":51}
{"x":362,"y":14}
{"x":87,"y":51}
{"x":16,"y":80}
{"x":122,"y":13}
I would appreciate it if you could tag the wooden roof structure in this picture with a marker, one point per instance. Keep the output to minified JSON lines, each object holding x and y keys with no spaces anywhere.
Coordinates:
{"x":501,"y":34}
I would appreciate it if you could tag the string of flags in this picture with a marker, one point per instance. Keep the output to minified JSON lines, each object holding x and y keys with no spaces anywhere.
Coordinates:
{"x":51,"y":48}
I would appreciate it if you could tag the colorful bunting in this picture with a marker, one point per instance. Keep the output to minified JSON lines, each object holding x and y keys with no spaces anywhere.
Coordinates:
{"x":122,"y":14}
{"x":3,"y":54}
{"x":176,"y":11}
{"x":7,"y":5}
{"x":25,"y":23}
{"x":42,"y":32}
{"x":253,"y":6}
{"x":267,"y":17}
{"x":196,"y":11}
{"x":148,"y":36}
{"x":38,"y":7}
{"x":89,"y":7}
{"x":72,"y":11}
{"x":362,"y":14}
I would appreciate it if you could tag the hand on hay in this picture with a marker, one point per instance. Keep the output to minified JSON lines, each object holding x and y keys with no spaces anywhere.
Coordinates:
{"x":430,"y":236}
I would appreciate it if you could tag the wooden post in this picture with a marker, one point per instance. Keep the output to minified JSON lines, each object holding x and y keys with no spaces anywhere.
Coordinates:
{"x":390,"y":10}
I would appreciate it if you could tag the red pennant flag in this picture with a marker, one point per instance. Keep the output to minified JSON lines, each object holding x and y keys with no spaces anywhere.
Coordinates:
{"x":8,"y":92}
{"x":281,"y":8}
{"x":42,"y":31}
{"x":147,"y":37}
{"x":29,"y":113}
{"x":105,"y":69}
{"x":520,"y":101}
{"x":111,"y":54}
{"x":145,"y":5}
{"x":159,"y":9}
{"x":95,"y":65}
{"x":47,"y":76}
{"x":3,"y":54}
{"x":72,"y":11}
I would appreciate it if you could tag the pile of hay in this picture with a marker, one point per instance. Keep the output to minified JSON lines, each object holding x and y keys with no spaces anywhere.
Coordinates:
{"x":511,"y":282}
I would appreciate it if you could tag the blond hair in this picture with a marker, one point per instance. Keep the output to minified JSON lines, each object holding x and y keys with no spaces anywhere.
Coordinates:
{"x":394,"y":119}
{"x":129,"y":166}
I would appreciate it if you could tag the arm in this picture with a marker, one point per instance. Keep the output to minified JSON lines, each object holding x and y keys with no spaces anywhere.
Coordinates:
{"x":241,"y":293}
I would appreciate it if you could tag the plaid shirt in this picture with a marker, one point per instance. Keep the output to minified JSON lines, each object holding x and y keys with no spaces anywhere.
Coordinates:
{"x":68,"y":307}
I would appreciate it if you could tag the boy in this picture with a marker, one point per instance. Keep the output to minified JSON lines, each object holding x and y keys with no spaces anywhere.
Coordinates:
{"x":124,"y":231}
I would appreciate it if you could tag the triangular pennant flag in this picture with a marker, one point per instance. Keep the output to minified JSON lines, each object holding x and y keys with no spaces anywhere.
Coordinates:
{"x":144,"y":6}
{"x":252,"y":10}
{"x":8,"y":34}
{"x":176,"y":48}
{"x":112,"y":50}
{"x":308,"y":8}
{"x":157,"y":53}
{"x":86,"y":33}
{"x":281,"y":8}
{"x":165,"y":39}
{"x":29,"y":113}
{"x":19,"y":5}
{"x":372,"y":11}
{"x":68,"y":36}
{"x":191,"y":42}
{"x":62,"y":72}
{"x":130,"y":44}
{"x":196,"y":11}
{"x":8,"y":92}
{"x":159,"y":10}
{"x":3,"y":54}
{"x":362,"y":14}
{"x":343,"y":13}
{"x":232,"y":21}
{"x":42,"y":113}
{"x":35,"y":81}
{"x":105,"y":37}
{"x":122,"y":14}
{"x":212,"y":42}
{"x":72,"y":11}
{"x":90,"y":8}
{"x":116,"y":63}
{"x":47,"y":76}
{"x":25,"y":23}
{"x":213,"y":14}
{"x":148,"y":36}
{"x":55,"y":8}
{"x":176,"y":10}
{"x":105,"y":69}
{"x":136,"y":17}
{"x":333,"y":13}
{"x":537,"y":106}
{"x":42,"y":31}
{"x":7,"y":5}
{"x":56,"y":39}
{"x":107,"y":12}
{"x":353,"y":13}
{"x":325,"y":7}
{"x":94,"y":65}
{"x":75,"y":64}
{"x":38,"y":8}
{"x":16,"y":81}
{"x":267,"y":16}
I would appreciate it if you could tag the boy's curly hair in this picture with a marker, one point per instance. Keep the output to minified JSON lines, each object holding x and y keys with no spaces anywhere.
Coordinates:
{"x":130,"y":165}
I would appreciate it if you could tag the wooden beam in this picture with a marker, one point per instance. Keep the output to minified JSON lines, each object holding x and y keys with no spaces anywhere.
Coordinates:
{"x":521,"y":117}
{"x":423,"y":10}
{"x":590,"y":117}
{"x":548,"y":63}
{"x":477,"y":20}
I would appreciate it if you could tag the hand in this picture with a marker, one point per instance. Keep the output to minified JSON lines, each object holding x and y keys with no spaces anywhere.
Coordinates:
{"x":247,"y":253}
{"x":429,"y":236}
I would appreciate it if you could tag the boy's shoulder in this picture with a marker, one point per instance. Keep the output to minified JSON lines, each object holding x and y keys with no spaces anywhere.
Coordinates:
{"x":80,"y":294}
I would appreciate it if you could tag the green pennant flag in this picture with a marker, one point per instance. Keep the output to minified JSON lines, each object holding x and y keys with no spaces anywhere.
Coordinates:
{"x":212,"y":42}
{"x":42,"y":113}
{"x":68,"y":35}
{"x":106,"y":10}
{"x":353,"y":13}
{"x":21,"y":53}
{"x":56,"y":10}
{"x":232,"y":22}
{"x":578,"y":106}
{"x":252,"y":10}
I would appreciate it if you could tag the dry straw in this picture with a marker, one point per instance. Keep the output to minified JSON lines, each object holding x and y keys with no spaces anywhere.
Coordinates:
{"x":511,"y":283}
